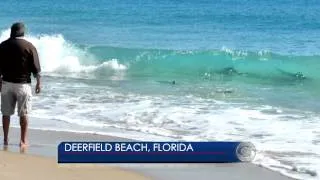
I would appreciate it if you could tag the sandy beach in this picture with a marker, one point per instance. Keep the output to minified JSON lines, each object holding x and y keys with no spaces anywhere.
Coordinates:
{"x":39,"y":162}
{"x":30,"y":167}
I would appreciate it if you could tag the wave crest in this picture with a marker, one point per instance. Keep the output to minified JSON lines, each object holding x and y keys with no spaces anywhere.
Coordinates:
{"x":58,"y":56}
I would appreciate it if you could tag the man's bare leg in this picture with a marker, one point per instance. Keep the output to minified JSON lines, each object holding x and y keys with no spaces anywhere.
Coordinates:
{"x":24,"y":129}
{"x":5,"y":125}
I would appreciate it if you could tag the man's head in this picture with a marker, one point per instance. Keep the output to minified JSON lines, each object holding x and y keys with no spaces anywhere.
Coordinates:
{"x":17,"y":30}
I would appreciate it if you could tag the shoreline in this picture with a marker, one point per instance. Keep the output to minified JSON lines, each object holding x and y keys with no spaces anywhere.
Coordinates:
{"x":43,"y":143}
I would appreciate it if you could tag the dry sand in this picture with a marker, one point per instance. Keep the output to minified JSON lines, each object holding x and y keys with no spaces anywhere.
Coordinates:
{"x":14,"y":166}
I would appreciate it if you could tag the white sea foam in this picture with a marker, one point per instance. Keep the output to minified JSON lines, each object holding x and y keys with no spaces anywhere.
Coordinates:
{"x":284,"y":145}
{"x":60,"y":57}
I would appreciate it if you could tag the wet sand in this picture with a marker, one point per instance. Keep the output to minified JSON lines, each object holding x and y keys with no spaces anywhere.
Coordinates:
{"x":42,"y":152}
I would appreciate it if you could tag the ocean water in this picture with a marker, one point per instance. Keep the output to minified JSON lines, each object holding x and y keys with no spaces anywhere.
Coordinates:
{"x":242,"y":70}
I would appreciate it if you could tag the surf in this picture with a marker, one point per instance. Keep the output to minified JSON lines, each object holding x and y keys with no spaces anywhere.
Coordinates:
{"x":150,"y":99}
{"x":60,"y":57}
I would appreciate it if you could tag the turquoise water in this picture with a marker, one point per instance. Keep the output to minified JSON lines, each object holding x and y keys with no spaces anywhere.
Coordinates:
{"x":243,"y":70}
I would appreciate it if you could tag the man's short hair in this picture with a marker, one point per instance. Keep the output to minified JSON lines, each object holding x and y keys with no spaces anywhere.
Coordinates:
{"x":17,"y":29}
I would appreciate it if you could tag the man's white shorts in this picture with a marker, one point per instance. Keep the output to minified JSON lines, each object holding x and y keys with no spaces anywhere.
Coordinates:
{"x":13,"y":94}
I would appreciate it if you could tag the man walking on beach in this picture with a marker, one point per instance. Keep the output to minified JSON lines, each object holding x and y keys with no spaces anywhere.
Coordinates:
{"x":18,"y":59}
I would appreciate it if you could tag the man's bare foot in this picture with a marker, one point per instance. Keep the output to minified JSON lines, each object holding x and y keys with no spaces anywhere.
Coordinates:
{"x":23,"y":144}
{"x":5,"y":142}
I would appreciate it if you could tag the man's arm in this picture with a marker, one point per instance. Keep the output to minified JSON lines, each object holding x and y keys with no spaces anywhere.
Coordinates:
{"x":38,"y":85}
{"x":36,"y":68}
{"x":1,"y":58}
